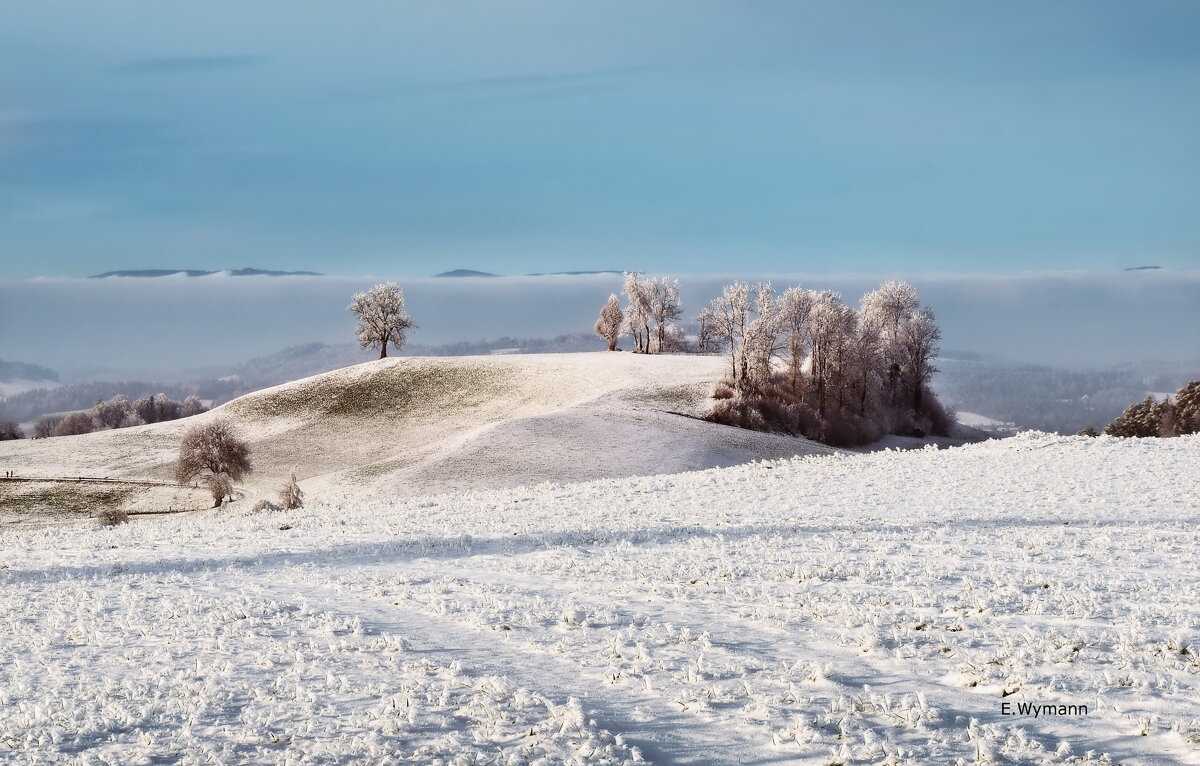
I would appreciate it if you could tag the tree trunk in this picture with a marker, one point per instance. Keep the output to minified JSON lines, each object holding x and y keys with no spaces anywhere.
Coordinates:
{"x":383,"y":350}
{"x":612,"y":344}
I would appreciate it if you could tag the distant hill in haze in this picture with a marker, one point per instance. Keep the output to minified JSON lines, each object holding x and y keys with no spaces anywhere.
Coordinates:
{"x":23,"y":371}
{"x":247,"y":272}
{"x":466,"y":273}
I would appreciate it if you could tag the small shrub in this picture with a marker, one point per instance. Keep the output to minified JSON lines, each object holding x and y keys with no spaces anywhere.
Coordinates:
{"x":112,"y":517}
{"x":1089,"y":431}
{"x":290,"y":494}
{"x":265,"y":505}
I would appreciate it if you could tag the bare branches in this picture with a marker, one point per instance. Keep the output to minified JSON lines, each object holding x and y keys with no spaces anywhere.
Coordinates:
{"x":381,"y":317}
{"x":215,"y":452}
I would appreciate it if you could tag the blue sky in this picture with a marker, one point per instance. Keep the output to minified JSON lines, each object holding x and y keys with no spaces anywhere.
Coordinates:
{"x":406,"y":138}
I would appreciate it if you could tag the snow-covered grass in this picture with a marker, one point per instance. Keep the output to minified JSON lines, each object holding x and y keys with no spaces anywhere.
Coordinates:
{"x":411,"y":425}
{"x":876,"y":608}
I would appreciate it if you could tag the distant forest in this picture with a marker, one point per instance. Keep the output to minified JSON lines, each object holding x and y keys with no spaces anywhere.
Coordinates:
{"x":1053,"y":398}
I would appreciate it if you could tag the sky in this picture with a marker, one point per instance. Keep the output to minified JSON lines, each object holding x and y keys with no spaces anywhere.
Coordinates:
{"x":407,"y":138}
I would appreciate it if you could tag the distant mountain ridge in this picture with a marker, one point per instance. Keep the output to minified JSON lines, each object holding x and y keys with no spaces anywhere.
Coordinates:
{"x":246,"y":272}
{"x":24,"y":371}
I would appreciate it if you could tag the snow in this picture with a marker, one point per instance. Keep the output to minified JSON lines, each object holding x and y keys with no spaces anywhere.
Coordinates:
{"x":873,"y":608}
{"x":986,"y":424}
{"x":975,"y":420}
{"x":413,"y":425}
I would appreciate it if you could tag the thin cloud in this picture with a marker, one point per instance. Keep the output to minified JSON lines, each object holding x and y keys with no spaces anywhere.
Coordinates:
{"x":188,"y":64}
{"x":526,"y":86}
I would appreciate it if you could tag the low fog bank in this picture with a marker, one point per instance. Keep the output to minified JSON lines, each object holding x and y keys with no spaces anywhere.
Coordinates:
{"x":88,"y":328}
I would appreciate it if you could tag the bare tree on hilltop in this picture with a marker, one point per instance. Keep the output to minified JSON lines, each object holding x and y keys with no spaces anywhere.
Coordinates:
{"x":381,"y":317}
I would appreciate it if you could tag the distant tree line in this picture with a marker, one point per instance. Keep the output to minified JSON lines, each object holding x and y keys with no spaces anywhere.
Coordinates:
{"x":118,"y":412}
{"x":28,"y":405}
{"x":1176,"y":416}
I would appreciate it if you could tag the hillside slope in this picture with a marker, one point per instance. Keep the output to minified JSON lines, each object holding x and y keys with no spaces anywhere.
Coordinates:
{"x":428,"y":425}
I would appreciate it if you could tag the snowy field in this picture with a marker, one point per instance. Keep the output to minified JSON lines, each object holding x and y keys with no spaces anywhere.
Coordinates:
{"x":878,"y":608}
{"x":413,"y":425}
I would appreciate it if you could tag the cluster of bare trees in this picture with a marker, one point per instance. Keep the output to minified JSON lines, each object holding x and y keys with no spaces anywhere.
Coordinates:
{"x":652,"y":306}
{"x":803,"y":362}
{"x":118,"y":412}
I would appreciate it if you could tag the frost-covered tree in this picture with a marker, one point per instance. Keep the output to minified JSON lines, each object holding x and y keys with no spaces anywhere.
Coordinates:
{"x":381,"y":317}
{"x":918,"y":347}
{"x":74,"y":424}
{"x":795,"y":305}
{"x":761,"y":342}
{"x":888,"y":308}
{"x":638,"y":289}
{"x":47,"y":426}
{"x":158,"y":408}
{"x":728,"y":316}
{"x":215,"y":453}
{"x":707,"y":337}
{"x":864,"y":373}
{"x":192,"y":406}
{"x":832,"y":325}
{"x":110,"y":413}
{"x":130,"y":420}
{"x":10,"y":431}
{"x":608,"y":326}
{"x":664,"y":308}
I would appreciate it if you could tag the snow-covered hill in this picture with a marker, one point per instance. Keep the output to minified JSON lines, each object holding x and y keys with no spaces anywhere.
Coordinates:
{"x":404,"y":426}
{"x":895,"y":607}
